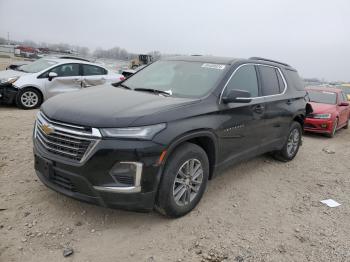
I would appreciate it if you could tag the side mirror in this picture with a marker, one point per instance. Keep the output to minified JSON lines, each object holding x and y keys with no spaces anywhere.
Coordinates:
{"x":344,"y":104}
{"x":237,"y":96}
{"x":52,"y":75}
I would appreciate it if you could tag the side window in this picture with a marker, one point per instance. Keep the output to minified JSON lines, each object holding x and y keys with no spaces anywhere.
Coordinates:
{"x":244,"y":79}
{"x":269,"y":80}
{"x":90,"y":70}
{"x":66,"y":70}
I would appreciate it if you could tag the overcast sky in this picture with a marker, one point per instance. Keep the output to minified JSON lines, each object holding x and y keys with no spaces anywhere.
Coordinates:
{"x":311,"y":35}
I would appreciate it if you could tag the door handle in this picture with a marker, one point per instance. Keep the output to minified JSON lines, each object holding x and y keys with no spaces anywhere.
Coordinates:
{"x":259,"y":109}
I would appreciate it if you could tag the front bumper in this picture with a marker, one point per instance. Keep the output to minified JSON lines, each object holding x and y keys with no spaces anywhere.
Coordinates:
{"x":318,"y":125}
{"x":91,"y":180}
{"x":7,"y":93}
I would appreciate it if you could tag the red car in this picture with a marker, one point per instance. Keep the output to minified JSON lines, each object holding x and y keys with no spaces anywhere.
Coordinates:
{"x":331,"y":110}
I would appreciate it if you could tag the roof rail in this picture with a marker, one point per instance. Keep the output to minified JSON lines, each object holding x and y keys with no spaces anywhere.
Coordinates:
{"x":268,"y":60}
{"x":74,"y":57}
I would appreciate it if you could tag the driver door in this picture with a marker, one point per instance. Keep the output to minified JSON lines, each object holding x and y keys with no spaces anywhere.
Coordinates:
{"x":68,"y":80}
{"x":240,"y":135}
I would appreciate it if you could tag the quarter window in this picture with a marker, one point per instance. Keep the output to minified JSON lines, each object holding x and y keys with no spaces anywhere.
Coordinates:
{"x":270,"y":81}
{"x":244,"y":79}
{"x":280,"y":81}
{"x":294,"y":79}
{"x":90,"y":70}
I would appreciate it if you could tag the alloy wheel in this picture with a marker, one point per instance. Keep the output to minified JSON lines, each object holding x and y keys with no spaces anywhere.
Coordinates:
{"x":187,"y":182}
{"x":293,"y":142}
{"x":29,"y":99}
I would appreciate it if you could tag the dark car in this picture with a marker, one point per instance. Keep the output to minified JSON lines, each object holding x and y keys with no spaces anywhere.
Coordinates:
{"x":156,"y":138}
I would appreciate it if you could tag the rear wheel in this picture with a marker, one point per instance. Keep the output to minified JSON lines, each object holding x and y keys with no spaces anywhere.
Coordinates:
{"x":184,"y":180}
{"x":291,"y":147}
{"x":28,"y":98}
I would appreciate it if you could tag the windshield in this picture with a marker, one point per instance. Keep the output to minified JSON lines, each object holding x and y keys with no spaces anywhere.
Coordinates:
{"x":37,"y":66}
{"x":178,"y":78}
{"x":323,"y":97}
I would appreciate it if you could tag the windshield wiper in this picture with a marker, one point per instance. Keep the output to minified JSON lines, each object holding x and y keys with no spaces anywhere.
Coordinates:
{"x":125,"y":86}
{"x":155,"y":91}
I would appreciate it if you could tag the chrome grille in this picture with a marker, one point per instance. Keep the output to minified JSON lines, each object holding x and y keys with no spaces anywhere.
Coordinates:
{"x":65,"y":140}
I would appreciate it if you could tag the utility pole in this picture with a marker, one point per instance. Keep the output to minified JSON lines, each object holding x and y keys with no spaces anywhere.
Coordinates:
{"x":8,"y":38}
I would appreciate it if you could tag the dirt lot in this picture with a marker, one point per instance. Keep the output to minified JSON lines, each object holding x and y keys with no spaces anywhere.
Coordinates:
{"x":260,"y":210}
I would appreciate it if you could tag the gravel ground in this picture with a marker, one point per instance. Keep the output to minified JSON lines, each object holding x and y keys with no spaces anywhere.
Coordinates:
{"x":259,"y":210}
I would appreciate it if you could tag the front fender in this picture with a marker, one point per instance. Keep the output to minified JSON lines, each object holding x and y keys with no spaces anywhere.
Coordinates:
{"x":190,"y":135}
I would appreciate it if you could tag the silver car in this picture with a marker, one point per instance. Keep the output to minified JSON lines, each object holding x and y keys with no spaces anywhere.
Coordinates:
{"x":29,"y":85}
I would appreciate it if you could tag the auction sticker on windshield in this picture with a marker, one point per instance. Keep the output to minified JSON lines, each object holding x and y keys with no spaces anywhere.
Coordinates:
{"x":213,"y":66}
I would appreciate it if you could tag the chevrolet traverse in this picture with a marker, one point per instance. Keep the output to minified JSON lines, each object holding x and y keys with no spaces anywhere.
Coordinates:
{"x":155,"y":139}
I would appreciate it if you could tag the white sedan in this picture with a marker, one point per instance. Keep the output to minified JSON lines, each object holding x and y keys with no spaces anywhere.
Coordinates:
{"x":29,"y":85}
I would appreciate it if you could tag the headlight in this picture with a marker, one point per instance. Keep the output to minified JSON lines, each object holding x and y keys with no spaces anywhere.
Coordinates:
{"x":141,"y":132}
{"x":322,"y":116}
{"x":10,"y":80}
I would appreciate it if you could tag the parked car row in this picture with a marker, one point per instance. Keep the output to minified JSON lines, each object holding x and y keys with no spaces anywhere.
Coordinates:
{"x":30,"y":84}
{"x":154,"y":138}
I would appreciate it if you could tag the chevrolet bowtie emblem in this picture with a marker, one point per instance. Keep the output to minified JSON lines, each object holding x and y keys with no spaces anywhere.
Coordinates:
{"x":47,"y":129}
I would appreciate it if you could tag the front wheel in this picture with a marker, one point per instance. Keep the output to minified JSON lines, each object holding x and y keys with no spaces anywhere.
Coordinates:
{"x":334,"y":129}
{"x":184,"y":180}
{"x":291,"y":146}
{"x":28,"y":98}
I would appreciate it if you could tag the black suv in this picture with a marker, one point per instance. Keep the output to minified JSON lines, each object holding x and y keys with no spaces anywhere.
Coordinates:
{"x":156,"y":138}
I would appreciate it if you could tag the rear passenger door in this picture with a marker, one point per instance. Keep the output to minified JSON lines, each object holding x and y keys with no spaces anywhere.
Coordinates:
{"x":277,"y":108}
{"x":93,"y":75}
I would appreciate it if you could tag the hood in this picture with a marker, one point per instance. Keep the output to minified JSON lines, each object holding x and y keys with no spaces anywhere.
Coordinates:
{"x":108,"y":106}
{"x":4,"y":75}
{"x":319,"y":108}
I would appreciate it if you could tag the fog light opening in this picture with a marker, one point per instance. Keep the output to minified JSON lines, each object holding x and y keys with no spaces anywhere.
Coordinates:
{"x":124,"y":173}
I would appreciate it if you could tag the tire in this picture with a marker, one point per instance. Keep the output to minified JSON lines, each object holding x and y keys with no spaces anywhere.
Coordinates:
{"x":292,"y":144}
{"x":177,"y":198}
{"x":29,"y":98}
{"x":335,"y":126}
